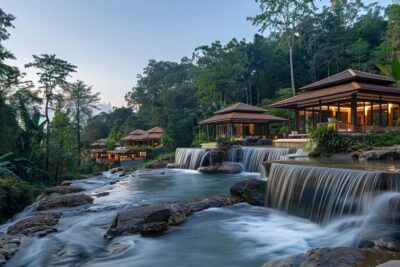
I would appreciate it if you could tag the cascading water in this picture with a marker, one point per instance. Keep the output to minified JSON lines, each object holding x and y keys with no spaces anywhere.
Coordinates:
{"x":253,"y":157}
{"x":322,"y":194}
{"x":189,"y":158}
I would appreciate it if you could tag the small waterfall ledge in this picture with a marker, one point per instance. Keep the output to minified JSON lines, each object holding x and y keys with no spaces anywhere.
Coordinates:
{"x":250,"y":157}
{"x":322,"y":194}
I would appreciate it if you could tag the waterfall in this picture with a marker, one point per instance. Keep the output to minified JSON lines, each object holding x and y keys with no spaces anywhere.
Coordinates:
{"x":321,"y":194}
{"x":189,"y":158}
{"x":252,"y":157}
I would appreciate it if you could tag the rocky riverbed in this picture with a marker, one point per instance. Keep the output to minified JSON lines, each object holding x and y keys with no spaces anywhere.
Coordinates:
{"x":91,"y":223}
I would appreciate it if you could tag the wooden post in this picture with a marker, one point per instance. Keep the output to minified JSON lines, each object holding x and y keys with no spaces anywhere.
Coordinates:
{"x":372,"y":113}
{"x":354,"y":111}
{"x":320,"y":111}
{"x":208,"y":133}
{"x":296,"y":120}
{"x":380,"y":111}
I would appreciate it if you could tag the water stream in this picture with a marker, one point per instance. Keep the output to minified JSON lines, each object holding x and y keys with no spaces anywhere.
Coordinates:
{"x":239,"y":235}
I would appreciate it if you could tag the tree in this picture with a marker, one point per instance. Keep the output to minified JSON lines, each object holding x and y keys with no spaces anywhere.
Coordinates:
{"x":81,"y":100}
{"x":52,"y":75}
{"x":284,"y":16}
{"x":62,"y":140}
{"x":393,"y":33}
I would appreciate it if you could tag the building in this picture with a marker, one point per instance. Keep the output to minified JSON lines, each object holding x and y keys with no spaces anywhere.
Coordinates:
{"x":240,"y":121}
{"x":351,"y":101}
{"x":99,"y":149}
{"x":140,"y":137}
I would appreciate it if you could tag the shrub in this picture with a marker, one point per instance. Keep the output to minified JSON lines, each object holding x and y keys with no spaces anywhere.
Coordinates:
{"x":327,"y":140}
{"x":15,"y":195}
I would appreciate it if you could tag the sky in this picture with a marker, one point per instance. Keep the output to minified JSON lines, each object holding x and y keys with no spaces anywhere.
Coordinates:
{"x":111,"y":41}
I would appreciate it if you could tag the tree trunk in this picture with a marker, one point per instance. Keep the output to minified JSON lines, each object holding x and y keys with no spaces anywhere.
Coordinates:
{"x":291,"y":69}
{"x":48,"y":132}
{"x":78,"y":136}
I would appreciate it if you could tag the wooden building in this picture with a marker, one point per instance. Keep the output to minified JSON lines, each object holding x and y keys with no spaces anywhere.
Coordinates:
{"x":240,"y":121}
{"x":351,"y":101}
{"x":140,"y":137}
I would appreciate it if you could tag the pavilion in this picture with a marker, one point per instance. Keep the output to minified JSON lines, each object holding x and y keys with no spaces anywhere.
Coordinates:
{"x":240,"y":121}
{"x":140,"y":137}
{"x":351,"y":101}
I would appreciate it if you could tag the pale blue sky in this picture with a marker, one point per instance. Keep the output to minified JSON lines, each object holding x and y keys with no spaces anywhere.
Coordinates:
{"x":111,"y":41}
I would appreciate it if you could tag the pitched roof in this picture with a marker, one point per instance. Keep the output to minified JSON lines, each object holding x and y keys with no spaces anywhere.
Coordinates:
{"x":140,"y":135}
{"x":240,"y":107}
{"x":242,"y":117}
{"x":349,"y":76}
{"x":100,"y":142}
{"x":137,"y":132}
{"x":155,"y":130}
{"x":334,"y":92}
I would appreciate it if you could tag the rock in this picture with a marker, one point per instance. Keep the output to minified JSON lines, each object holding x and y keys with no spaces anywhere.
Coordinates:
{"x":341,"y":256}
{"x":114,"y":181}
{"x":66,"y":182}
{"x":9,"y":245}
{"x":149,"y":229}
{"x":39,"y":225}
{"x":225,"y":167}
{"x":208,"y":169}
{"x":251,"y":190}
{"x":2,"y":259}
{"x":63,"y":190}
{"x":172,"y":165}
{"x":117,"y":169}
{"x":156,"y":218}
{"x":377,"y":153}
{"x":230,"y":168}
{"x":100,"y":194}
{"x":60,"y":201}
{"x":133,"y":220}
{"x":393,"y":263}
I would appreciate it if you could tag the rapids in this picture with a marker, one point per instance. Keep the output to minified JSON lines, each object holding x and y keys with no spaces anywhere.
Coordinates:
{"x":238,"y":235}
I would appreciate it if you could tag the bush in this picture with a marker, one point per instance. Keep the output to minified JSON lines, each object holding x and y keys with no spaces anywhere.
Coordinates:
{"x":327,"y":140}
{"x":200,"y":139}
{"x":157,"y":152}
{"x":15,"y":195}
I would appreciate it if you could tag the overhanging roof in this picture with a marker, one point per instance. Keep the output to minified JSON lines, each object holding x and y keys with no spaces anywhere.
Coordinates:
{"x":349,"y":75}
{"x":240,"y":107}
{"x":335,"y":92}
{"x":242,"y":117}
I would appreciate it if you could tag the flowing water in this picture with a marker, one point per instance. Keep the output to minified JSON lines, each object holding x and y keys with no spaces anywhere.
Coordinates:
{"x":250,"y":157}
{"x":239,"y":235}
{"x":189,"y":158}
{"x":321,"y":193}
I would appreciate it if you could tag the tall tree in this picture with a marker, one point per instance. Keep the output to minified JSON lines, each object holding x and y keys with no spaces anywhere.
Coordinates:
{"x":52,"y":75}
{"x":284,"y":16}
{"x":393,"y":33}
{"x":81,"y":101}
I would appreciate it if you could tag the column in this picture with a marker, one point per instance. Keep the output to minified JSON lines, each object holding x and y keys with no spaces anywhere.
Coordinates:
{"x":380,"y":110}
{"x":354,"y":111}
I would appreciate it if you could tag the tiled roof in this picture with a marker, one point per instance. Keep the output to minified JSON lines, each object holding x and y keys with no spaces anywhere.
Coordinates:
{"x":239,"y":117}
{"x":140,"y":135}
{"x":349,"y":76}
{"x":137,"y":132}
{"x":347,"y":88}
{"x":100,"y":142}
{"x":240,"y":107}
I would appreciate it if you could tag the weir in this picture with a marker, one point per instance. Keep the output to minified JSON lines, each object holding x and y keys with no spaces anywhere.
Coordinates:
{"x":321,"y":194}
{"x":253,"y":157}
{"x":189,"y":158}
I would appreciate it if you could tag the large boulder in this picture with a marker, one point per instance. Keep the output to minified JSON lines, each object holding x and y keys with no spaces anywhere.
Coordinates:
{"x":63,"y":190}
{"x":61,"y":201}
{"x":152,"y":219}
{"x":226,"y":167}
{"x":251,"y":190}
{"x":9,"y":245}
{"x":378,"y":153}
{"x":230,"y":167}
{"x":341,"y":256}
{"x":38,"y":225}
